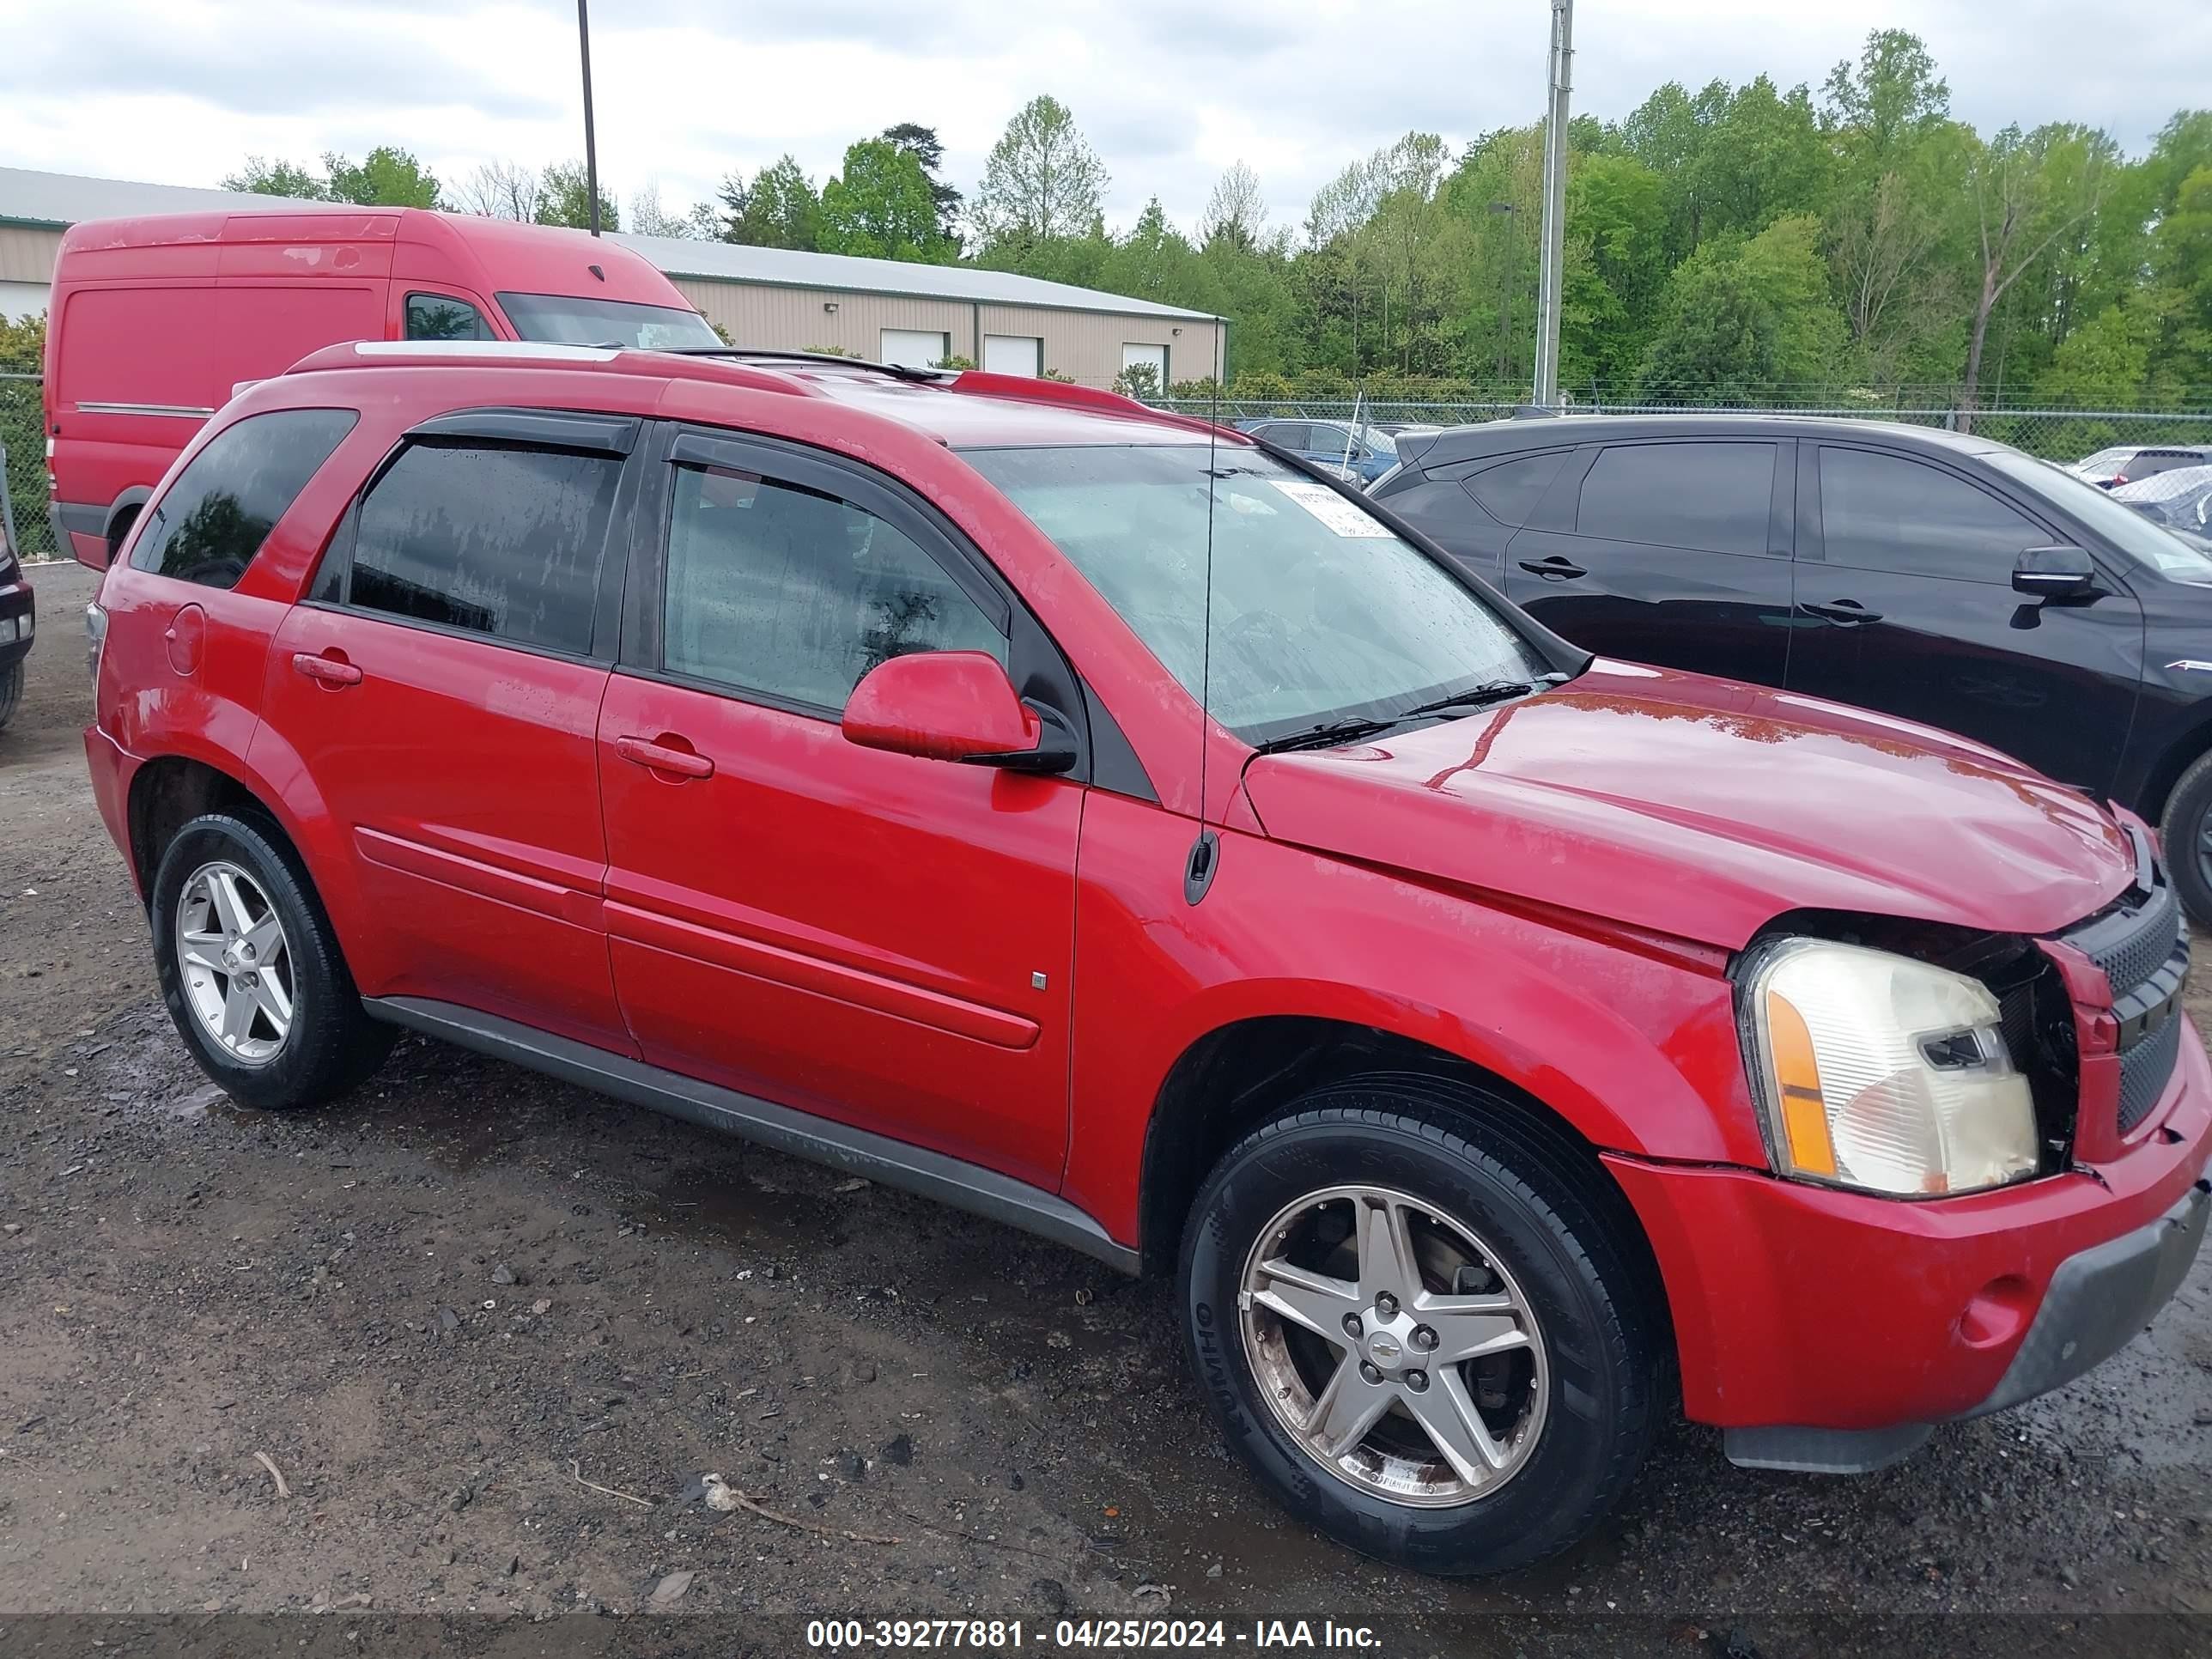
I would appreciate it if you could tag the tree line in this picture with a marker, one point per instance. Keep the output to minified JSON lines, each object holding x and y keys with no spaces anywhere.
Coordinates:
{"x":1859,"y":243}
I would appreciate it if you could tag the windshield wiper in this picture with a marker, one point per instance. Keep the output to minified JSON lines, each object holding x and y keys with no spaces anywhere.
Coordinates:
{"x":1324,"y":736}
{"x":1331,"y":733}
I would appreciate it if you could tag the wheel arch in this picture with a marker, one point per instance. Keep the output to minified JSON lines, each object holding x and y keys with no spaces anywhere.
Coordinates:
{"x":123,"y":513}
{"x":1237,"y":1074}
{"x":2180,"y":753}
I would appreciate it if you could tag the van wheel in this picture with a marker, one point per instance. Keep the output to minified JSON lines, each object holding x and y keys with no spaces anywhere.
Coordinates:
{"x":250,"y":969}
{"x":11,"y":691}
{"x":120,"y":531}
{"x":1420,"y":1319}
{"x":2185,"y":833}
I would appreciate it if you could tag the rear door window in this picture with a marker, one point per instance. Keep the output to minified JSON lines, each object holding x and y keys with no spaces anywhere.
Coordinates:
{"x":1286,"y":435}
{"x":1718,"y":497}
{"x":505,"y":540}
{"x":212,"y":521}
{"x":1881,"y":512}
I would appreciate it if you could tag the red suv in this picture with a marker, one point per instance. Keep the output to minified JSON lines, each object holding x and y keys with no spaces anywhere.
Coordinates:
{"x":1095,"y":820}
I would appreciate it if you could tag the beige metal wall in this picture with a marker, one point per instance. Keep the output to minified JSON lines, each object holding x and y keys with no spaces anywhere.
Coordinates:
{"x":27,"y":254}
{"x":1084,"y":345}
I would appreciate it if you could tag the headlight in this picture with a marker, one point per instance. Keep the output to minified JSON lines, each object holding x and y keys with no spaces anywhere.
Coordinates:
{"x":1878,"y":1071}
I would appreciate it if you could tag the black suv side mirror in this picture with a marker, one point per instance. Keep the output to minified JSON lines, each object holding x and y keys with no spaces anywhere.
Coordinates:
{"x":2054,"y":573}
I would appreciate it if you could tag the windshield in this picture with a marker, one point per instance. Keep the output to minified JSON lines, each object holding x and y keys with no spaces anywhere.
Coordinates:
{"x":570,"y":321}
{"x":2103,"y":461}
{"x":1319,"y":612}
{"x":2117,"y":522}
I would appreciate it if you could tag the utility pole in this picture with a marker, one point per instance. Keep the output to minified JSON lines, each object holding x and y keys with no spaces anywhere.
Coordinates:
{"x":1555,"y":204}
{"x":591,"y":145}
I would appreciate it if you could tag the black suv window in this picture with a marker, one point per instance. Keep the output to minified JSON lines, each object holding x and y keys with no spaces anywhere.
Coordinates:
{"x":795,"y":594}
{"x":2150,"y":463}
{"x":441,"y":317}
{"x":1717,"y":496}
{"x":214,"y":519}
{"x":1509,"y":493}
{"x":499,"y":539}
{"x":1885,"y":512}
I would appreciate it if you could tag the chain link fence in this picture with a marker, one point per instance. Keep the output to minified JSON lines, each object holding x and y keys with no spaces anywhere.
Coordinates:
{"x":23,"y":439}
{"x":2052,"y":434}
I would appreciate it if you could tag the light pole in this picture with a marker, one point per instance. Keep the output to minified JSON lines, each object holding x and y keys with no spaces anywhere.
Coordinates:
{"x":1555,"y":204}
{"x":591,"y":144}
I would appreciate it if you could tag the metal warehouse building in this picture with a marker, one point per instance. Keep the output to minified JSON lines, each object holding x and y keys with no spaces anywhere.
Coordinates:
{"x":774,"y":297}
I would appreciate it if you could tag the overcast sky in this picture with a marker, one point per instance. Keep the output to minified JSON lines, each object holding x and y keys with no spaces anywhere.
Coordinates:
{"x":1169,"y":91}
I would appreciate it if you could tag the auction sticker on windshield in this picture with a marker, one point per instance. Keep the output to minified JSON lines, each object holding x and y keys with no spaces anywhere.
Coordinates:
{"x":1342,"y":517}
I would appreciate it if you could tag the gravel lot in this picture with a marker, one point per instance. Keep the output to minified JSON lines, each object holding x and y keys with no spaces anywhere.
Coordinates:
{"x":442,"y":1306}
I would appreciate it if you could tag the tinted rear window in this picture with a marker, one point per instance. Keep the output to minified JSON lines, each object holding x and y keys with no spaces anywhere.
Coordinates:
{"x":1509,"y":493}
{"x":1717,"y":496}
{"x":500,"y":540}
{"x":212,"y":521}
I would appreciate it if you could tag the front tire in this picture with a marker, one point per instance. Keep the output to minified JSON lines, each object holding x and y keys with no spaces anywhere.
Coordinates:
{"x":11,"y":691}
{"x":2185,"y":833}
{"x":251,"y":970}
{"x":1420,"y":1318}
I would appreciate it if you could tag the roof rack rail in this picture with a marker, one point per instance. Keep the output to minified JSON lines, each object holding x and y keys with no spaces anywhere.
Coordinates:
{"x":897,"y":371}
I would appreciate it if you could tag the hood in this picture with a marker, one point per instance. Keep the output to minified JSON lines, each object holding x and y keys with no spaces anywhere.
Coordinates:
{"x":1704,"y":808}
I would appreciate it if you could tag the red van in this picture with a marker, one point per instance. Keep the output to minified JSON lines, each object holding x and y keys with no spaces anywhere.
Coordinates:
{"x":155,"y":321}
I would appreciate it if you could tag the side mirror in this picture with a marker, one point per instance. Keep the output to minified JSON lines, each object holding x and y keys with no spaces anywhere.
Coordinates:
{"x":954,"y":706}
{"x":2054,"y":573}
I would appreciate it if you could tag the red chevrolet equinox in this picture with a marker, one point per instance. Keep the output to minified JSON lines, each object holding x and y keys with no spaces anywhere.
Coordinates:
{"x":1099,"y":821}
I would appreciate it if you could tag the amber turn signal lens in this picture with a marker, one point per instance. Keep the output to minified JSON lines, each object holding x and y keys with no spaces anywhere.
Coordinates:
{"x":1804,"y":1111}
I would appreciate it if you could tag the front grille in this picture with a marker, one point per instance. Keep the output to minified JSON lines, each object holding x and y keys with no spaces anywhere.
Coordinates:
{"x":2144,"y":1070}
{"x":2142,"y":947}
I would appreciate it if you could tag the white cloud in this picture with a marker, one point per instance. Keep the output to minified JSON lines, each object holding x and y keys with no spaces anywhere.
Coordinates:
{"x":1169,"y":91}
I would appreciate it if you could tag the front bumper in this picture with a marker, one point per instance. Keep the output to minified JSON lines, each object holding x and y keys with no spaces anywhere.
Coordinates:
{"x":1828,"y":1329}
{"x":18,"y":611}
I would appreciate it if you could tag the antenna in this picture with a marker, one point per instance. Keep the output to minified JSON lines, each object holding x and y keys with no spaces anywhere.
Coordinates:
{"x":1206,"y":851}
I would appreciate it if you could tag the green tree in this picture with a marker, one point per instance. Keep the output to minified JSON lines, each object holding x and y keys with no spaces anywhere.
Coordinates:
{"x":565,"y":199}
{"x":1615,"y":271}
{"x":881,"y":207}
{"x":1747,"y":321}
{"x":387,"y":176}
{"x":260,"y":177}
{"x":923,"y":144}
{"x":777,"y":208}
{"x":2028,"y":191}
{"x":1043,"y":182}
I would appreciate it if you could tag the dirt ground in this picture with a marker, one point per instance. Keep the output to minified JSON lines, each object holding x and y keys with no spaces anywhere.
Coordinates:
{"x":492,"y":1331}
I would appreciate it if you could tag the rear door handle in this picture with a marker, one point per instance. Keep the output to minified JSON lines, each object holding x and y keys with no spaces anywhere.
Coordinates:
{"x":1555,"y":567}
{"x":1845,"y":613}
{"x":333,"y":671}
{"x":659,"y":757}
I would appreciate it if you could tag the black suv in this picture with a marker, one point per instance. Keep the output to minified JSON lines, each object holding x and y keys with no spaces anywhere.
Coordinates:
{"x":1945,"y":578}
{"x":18,"y":613}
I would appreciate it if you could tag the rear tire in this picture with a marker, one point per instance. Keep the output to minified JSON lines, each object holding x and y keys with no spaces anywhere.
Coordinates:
{"x":250,"y":969}
{"x":2183,"y":831}
{"x":1347,"y":1406}
{"x":11,"y":692}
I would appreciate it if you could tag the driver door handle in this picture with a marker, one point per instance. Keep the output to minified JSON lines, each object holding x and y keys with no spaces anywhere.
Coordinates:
{"x":1553,"y":569}
{"x":659,"y":757}
{"x":1845,"y":613}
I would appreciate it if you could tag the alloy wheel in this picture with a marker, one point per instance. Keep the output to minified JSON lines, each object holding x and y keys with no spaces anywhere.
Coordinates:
{"x":235,"y":962}
{"x":1394,"y":1346}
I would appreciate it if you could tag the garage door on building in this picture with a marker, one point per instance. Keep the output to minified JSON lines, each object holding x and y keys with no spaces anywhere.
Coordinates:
{"x":1013,"y":354}
{"x":1156,"y":356}
{"x":916,"y":348}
